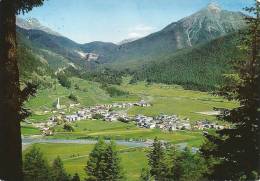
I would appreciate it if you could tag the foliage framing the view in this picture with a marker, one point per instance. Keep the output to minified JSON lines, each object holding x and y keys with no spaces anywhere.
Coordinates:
{"x":236,"y":150}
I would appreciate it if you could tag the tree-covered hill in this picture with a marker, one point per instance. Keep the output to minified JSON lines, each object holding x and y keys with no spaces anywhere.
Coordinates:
{"x":201,"y":67}
{"x":30,"y":64}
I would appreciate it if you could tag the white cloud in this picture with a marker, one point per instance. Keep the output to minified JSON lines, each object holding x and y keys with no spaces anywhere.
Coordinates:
{"x":140,"y":31}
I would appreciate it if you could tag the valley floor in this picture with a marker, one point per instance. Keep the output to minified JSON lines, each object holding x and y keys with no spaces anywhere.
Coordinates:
{"x":165,"y":99}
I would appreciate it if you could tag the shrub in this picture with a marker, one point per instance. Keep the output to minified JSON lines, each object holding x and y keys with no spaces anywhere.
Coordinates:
{"x":73,"y":97}
{"x":64,"y":81}
{"x":68,"y":127}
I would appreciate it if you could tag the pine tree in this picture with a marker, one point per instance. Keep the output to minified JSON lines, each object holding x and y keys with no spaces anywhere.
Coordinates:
{"x":145,"y":175}
{"x":95,"y":168}
{"x":157,"y":160}
{"x":188,"y":166}
{"x":104,"y":163}
{"x":75,"y":177}
{"x":58,"y":172}
{"x":35,"y":167}
{"x":113,"y":171}
{"x":236,"y":150}
{"x":11,"y":97}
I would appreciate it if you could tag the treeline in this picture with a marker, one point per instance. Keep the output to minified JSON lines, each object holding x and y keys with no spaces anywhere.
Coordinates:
{"x":104,"y":76}
{"x":199,"y":68}
{"x":113,"y":91}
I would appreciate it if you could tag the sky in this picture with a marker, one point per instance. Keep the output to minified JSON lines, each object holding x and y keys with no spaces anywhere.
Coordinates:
{"x":115,"y":20}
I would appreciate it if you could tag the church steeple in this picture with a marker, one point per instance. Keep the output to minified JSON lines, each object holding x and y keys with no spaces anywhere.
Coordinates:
{"x":58,"y":104}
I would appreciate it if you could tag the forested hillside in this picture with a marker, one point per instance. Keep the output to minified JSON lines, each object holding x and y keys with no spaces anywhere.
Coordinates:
{"x":201,"y":67}
{"x":32,"y":67}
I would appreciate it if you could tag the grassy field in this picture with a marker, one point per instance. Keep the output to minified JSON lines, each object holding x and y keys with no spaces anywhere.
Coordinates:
{"x":167,"y":99}
{"x":88,"y":94}
{"x":122,"y":131}
{"x":172,"y":99}
{"x":28,"y":130}
{"x":75,"y":156}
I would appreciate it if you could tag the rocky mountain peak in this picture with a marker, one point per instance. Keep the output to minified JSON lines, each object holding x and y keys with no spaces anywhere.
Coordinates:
{"x":34,"y":24}
{"x":214,"y":7}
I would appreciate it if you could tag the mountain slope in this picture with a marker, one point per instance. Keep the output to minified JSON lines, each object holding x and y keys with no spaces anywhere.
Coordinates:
{"x":76,"y":53}
{"x":57,"y":44}
{"x":208,"y":24}
{"x":200,"y":67}
{"x":32,"y":67}
{"x":34,"y":24}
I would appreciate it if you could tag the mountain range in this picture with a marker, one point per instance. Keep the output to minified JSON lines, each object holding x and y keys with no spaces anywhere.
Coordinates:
{"x":155,"y":57}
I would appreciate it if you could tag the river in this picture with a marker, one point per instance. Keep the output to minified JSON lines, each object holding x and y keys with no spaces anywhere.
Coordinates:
{"x":26,"y":141}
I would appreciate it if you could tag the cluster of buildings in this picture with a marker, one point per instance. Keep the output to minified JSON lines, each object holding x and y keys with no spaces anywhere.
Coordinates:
{"x":46,"y":128}
{"x":110,"y":113}
{"x":105,"y":112}
{"x":202,"y":125}
{"x":163,"y":122}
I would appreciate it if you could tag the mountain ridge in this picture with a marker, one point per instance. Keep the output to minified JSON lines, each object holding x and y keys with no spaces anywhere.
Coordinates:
{"x":158,"y":52}
{"x":200,"y":27}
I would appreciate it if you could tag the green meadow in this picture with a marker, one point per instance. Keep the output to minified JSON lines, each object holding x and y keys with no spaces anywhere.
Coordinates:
{"x":173,"y":99}
{"x":75,"y":156}
{"x":28,"y":130}
{"x":166,"y":99}
{"x":88,"y":94}
{"x":121,"y":131}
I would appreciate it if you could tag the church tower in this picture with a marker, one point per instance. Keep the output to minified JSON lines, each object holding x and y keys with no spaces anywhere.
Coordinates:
{"x":58,"y":104}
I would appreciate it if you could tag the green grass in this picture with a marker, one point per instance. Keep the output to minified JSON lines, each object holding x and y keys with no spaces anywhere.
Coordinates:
{"x":29,"y":130}
{"x":75,"y":156}
{"x":97,"y":125}
{"x":167,"y":99}
{"x":123,"y":131}
{"x":172,"y":99}
{"x":89,"y":94}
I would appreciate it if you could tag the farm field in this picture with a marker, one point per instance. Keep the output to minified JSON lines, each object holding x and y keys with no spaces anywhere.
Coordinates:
{"x":28,"y":130}
{"x":75,"y":156}
{"x":166,"y":99}
{"x":92,"y":129}
{"x":173,"y":99}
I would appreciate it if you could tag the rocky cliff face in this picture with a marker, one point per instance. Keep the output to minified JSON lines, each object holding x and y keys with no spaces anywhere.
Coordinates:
{"x":207,"y":24}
